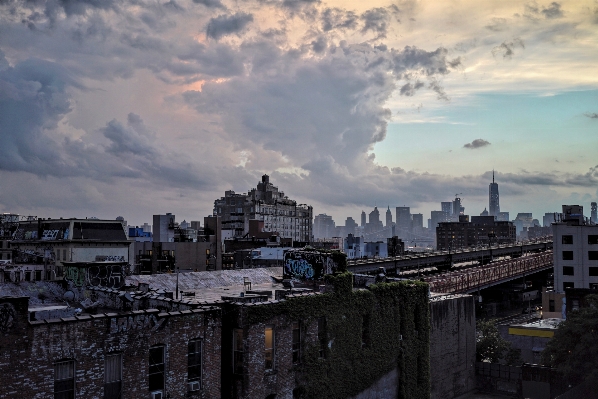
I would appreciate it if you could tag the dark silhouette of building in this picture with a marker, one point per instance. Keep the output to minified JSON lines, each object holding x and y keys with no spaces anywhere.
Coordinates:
{"x":494,"y":205}
{"x":482,"y":230}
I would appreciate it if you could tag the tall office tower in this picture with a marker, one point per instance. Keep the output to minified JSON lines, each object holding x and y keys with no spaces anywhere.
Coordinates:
{"x":494,"y":208}
{"x":403,"y":222}
{"x":447,"y":207}
{"x":388,"y":217}
{"x":418,"y":220}
{"x":350,"y":226}
{"x":548,"y":219}
{"x":323,"y":226}
{"x":374,"y":216}
{"x":439,"y":217}
{"x":363,"y":220}
{"x":457,"y":208}
{"x":594,"y":214}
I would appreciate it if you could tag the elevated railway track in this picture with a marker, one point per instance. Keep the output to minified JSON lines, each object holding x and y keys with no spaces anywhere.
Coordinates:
{"x":444,"y":260}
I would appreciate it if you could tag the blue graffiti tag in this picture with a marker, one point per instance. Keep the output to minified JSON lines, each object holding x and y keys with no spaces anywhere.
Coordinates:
{"x":300,"y":268}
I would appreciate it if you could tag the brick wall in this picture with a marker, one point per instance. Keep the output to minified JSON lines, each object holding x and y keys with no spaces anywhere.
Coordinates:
{"x":28,"y":351}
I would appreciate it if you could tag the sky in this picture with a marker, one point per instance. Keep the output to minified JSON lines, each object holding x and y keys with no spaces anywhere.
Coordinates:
{"x":140,"y":107}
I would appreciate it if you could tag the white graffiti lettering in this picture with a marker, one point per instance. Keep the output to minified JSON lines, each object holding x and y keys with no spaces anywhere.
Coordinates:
{"x":137,"y":322}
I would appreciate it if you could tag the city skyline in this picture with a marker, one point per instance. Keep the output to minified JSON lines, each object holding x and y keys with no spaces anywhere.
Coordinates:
{"x":112,"y":109}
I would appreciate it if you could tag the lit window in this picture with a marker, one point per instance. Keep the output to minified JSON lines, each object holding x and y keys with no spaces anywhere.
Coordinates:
{"x":113,"y":376}
{"x":269,"y":348}
{"x":64,"y":380}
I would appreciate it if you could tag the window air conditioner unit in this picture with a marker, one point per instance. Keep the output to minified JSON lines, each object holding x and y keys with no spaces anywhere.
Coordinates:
{"x":156,"y":395}
{"x":193,"y":386}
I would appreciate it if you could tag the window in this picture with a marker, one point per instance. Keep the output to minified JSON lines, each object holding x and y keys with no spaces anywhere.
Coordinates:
{"x":194,"y":361}
{"x":238,"y":351}
{"x":64,"y":254}
{"x":269,"y":348}
{"x":551,"y":305}
{"x":593,"y":271}
{"x":58,"y":254}
{"x":567,"y":239}
{"x":113,"y":376}
{"x":592,"y":255}
{"x":568,"y":285}
{"x":593,"y":239}
{"x":567,"y":255}
{"x":296,"y":342}
{"x":156,"y":368}
{"x":322,"y":336}
{"x":64,"y":379}
{"x":568,"y":271}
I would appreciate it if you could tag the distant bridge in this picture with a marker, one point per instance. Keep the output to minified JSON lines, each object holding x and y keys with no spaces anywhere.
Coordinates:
{"x":446,"y":259}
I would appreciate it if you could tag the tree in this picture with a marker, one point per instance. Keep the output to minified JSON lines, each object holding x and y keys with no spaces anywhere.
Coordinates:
{"x":573,"y":350}
{"x":490,"y":346}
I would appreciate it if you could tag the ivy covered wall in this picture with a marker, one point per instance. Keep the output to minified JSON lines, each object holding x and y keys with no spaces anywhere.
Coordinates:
{"x":368,"y":333}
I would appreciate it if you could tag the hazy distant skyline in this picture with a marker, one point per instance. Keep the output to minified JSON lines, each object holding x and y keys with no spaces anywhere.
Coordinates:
{"x":127,"y":108}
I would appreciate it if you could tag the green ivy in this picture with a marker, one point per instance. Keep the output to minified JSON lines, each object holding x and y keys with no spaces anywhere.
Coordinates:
{"x":390,"y":309}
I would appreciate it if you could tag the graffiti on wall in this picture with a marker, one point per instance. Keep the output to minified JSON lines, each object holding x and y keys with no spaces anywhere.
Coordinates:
{"x":75,"y":274}
{"x":308,"y":265}
{"x":109,"y":276}
{"x":138,"y":322}
{"x":109,"y":258}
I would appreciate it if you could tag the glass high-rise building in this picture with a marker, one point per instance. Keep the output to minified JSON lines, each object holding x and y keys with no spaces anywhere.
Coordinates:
{"x":494,"y":206}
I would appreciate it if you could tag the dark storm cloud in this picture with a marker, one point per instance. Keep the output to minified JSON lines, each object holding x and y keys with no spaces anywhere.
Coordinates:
{"x":337,"y":18}
{"x":224,"y":25}
{"x":506,"y":49}
{"x":376,"y":20}
{"x":591,"y":115}
{"x":409,"y":89}
{"x":131,"y":139}
{"x":414,"y":59}
{"x":477,"y":143}
{"x":440,"y":93}
{"x":33,"y":99}
{"x":210,"y":3}
{"x":534,"y":11}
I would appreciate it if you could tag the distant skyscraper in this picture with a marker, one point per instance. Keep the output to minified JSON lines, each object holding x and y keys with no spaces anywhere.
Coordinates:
{"x":403,"y":220}
{"x":350,"y":226}
{"x":388,"y":217}
{"x":417,"y":220}
{"x":594,"y":214}
{"x":457,"y":208}
{"x":494,"y":208}
{"x":323,"y":226}
{"x":447,"y":207}
{"x":363,"y":219}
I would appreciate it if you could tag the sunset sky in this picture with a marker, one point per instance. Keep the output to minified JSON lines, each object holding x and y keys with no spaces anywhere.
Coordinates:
{"x":135,"y":108}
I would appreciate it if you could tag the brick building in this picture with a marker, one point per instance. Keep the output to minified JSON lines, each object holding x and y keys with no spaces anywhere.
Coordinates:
{"x":482,"y":230}
{"x":234,"y":334}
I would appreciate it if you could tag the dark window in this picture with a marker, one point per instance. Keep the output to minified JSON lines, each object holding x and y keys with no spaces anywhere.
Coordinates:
{"x":269,"y":348}
{"x":113,"y":376}
{"x":567,"y":255}
{"x":322,"y":336}
{"x":593,"y":239}
{"x":568,"y":285}
{"x":567,"y":239}
{"x":551,"y":305}
{"x":194,"y":361}
{"x":297,"y":342}
{"x":156,"y":368}
{"x":238,"y":351}
{"x":64,"y":380}
{"x":592,"y":255}
{"x":593,"y":271}
{"x":568,"y":271}
{"x":365,"y":331}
